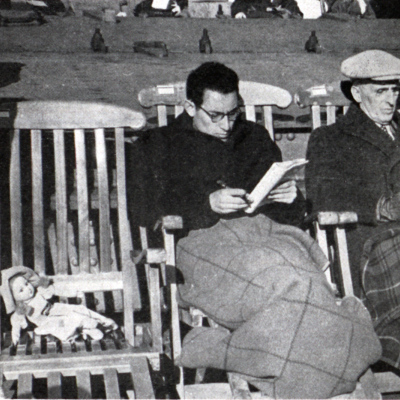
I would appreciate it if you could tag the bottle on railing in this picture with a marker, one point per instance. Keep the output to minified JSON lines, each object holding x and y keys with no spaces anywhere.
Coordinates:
{"x":312,"y":44}
{"x":205,"y":43}
{"x":97,"y":42}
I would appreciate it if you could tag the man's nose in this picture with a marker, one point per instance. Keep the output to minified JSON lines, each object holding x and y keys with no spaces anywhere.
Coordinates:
{"x":391,"y":97}
{"x":225,"y":124}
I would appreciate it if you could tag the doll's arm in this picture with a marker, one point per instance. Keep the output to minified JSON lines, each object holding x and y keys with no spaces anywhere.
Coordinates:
{"x":65,"y":289}
{"x":18,"y":322}
{"x":62,"y":289}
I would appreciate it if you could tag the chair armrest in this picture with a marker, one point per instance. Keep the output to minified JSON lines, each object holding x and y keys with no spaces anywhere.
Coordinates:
{"x":336,"y":217}
{"x":172,"y":222}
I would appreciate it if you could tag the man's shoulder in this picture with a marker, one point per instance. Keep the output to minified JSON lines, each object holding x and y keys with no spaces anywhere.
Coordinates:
{"x":340,"y":130}
{"x":154,"y":137}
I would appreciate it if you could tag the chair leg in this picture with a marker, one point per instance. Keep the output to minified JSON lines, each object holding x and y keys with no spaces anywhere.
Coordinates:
{"x":239,"y":387}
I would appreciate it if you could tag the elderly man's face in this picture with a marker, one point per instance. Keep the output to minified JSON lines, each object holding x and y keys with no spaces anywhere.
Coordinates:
{"x":377,"y":100}
{"x":215,"y":105}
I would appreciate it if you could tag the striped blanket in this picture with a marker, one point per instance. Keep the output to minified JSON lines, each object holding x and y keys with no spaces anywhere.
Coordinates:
{"x":381,"y":285}
{"x":285,"y":331}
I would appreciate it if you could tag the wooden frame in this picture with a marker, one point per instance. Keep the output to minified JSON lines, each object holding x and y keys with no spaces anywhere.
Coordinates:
{"x":74,"y":184}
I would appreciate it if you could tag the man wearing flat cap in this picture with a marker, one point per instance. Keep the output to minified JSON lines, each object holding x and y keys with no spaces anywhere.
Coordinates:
{"x":354,"y":166}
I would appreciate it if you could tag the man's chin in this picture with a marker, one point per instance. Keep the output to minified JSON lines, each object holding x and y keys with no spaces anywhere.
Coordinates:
{"x":387,"y":116}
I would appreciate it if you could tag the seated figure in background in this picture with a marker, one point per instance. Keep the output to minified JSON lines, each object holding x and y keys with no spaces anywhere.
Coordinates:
{"x":265,"y":9}
{"x":203,"y":164}
{"x":353,"y":166}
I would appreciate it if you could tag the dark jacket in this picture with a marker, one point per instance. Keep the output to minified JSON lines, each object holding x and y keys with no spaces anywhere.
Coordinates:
{"x":348,"y":170}
{"x":172,"y":171}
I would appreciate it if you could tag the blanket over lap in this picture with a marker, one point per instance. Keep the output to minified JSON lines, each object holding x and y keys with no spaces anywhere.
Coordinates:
{"x":285,"y":333}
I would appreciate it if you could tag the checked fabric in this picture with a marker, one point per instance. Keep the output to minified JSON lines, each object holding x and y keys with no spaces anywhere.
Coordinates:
{"x":287,"y":334}
{"x":381,"y":285}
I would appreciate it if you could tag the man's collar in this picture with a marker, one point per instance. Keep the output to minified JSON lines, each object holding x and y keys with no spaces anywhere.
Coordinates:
{"x":366,"y":129}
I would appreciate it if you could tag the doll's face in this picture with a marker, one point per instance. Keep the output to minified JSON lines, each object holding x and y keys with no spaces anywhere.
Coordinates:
{"x":22,"y":289}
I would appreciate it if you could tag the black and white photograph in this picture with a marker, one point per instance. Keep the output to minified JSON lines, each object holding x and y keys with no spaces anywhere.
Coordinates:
{"x":200,"y":199}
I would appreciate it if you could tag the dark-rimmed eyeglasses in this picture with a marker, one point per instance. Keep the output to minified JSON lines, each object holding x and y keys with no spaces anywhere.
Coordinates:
{"x":219,"y":116}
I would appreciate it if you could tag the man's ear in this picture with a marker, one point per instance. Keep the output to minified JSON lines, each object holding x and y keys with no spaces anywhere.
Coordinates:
{"x":190,"y":107}
{"x":356,"y":93}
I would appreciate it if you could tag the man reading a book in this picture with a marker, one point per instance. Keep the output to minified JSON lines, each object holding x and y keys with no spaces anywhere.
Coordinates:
{"x":203,"y":164}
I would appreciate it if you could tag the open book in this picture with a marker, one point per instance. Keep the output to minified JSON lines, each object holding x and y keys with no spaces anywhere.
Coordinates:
{"x":278,"y":173}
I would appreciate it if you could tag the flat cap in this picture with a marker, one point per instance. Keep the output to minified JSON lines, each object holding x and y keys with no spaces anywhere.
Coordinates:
{"x":372,"y":64}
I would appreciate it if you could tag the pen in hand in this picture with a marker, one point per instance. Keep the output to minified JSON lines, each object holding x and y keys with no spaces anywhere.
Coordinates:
{"x":223,"y":185}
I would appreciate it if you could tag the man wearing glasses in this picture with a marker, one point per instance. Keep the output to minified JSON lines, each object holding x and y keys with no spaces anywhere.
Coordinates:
{"x":204,"y":163}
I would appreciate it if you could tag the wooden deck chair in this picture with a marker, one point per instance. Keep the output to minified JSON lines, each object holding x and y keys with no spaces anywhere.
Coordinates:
{"x":255,"y":95}
{"x":336,"y":222}
{"x":67,"y":193}
{"x":326,"y":102}
{"x":370,"y":385}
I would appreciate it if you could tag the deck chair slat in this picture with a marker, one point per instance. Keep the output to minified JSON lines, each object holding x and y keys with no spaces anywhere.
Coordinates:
{"x":131,"y":289}
{"x":316,"y":116}
{"x":330,"y":114}
{"x":37,"y":201}
{"x":178,"y":110}
{"x":111,"y":383}
{"x":268,"y":121}
{"x":121,"y":185}
{"x":124,"y":231}
{"x":72,"y":250}
{"x":83,"y":384}
{"x":141,"y":379}
{"x":104,"y":201}
{"x":162,"y":115}
{"x":25,"y":384}
{"x":82,"y":200}
{"x":132,"y":300}
{"x":61,"y":203}
{"x":322,"y":241}
{"x":66,"y":347}
{"x":54,"y":383}
{"x":15,"y":201}
{"x":250,"y":113}
{"x":155,"y":299}
{"x":340,"y":236}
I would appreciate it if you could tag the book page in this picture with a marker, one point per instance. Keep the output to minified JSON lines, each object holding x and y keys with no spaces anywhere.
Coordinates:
{"x":279,"y":172}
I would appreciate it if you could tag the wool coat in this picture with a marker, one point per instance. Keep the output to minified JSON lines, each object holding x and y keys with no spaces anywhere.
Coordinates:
{"x":348,"y":170}
{"x":172,"y":171}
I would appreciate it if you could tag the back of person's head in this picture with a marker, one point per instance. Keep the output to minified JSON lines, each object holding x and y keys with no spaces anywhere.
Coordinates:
{"x":210,"y":76}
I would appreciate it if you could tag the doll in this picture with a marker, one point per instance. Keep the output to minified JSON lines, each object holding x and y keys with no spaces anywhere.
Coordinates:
{"x":26,"y":295}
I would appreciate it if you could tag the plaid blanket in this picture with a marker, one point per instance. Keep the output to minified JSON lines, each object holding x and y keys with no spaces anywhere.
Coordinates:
{"x":285,"y":332}
{"x":381,"y":284}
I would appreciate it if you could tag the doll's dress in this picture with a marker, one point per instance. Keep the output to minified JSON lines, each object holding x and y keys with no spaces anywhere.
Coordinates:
{"x":62,"y":320}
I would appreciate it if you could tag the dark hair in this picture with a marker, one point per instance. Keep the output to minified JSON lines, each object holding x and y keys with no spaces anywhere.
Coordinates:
{"x":212,"y":76}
